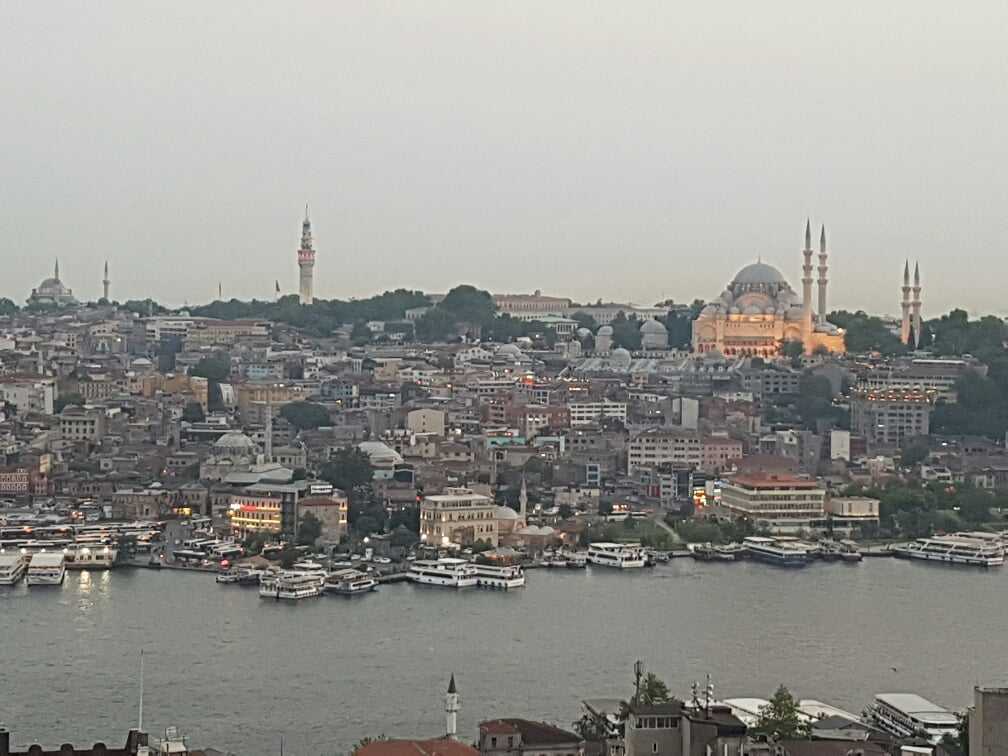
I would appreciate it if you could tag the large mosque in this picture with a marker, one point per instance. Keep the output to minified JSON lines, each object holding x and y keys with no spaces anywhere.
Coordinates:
{"x":759,"y":311}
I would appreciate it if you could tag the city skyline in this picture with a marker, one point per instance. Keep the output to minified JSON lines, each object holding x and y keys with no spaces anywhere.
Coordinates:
{"x":600,"y":152}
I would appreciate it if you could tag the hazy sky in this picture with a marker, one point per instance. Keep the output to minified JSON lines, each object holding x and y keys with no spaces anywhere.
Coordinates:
{"x":624,"y":150}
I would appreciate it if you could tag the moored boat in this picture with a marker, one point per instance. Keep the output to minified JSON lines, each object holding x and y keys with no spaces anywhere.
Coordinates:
{"x":90,"y":557}
{"x":972,"y":549}
{"x":448,"y":571}
{"x":618,"y":555}
{"x":782,"y":553}
{"x":907,"y":715}
{"x":492,"y":576}
{"x":349,"y":583}
{"x":12,"y":568}
{"x":46,"y":568}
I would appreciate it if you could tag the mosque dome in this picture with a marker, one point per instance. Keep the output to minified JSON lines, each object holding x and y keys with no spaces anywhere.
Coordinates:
{"x":508,"y":350}
{"x":653,"y":326}
{"x":605,"y":331}
{"x":620,"y":357}
{"x":759,"y":273}
{"x":583,"y":333}
{"x":235,"y":442}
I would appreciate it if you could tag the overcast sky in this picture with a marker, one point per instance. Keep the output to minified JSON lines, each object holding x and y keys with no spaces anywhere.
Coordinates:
{"x":624,"y":150}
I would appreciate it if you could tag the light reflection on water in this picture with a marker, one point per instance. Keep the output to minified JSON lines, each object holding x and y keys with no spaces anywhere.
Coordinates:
{"x":237,"y":672}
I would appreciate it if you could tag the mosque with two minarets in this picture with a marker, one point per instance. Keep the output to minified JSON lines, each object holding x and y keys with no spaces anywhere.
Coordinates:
{"x":759,"y":311}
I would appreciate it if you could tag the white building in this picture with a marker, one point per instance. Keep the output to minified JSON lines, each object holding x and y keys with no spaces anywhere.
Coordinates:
{"x":592,"y":413}
{"x":779,"y":502}
{"x":458,"y":516}
{"x":29,"y":393}
{"x":659,"y":446}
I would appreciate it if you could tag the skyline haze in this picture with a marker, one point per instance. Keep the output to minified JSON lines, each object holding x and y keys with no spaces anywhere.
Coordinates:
{"x":635,"y":152}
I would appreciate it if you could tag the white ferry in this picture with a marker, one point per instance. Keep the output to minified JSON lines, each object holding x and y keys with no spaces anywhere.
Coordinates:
{"x":46,"y":568}
{"x":12,"y":568}
{"x":456,"y":573}
{"x":349,"y":583}
{"x":774,"y":551}
{"x":492,"y":576}
{"x":621,"y":556}
{"x":291,"y":586}
{"x":976,"y":549}
{"x":90,"y":557}
{"x":905,"y":715}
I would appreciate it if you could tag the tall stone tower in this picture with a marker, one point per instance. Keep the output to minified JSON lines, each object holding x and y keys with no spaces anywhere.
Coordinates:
{"x":823,"y":269}
{"x":807,"y":288}
{"x":917,"y":323}
{"x":451,"y":707}
{"x":105,"y":283}
{"x":905,"y":305}
{"x":306,"y":262}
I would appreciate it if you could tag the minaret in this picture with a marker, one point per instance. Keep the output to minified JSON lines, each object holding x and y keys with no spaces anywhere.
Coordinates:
{"x":822,"y":276}
{"x":451,"y":710}
{"x":306,"y":262}
{"x":105,"y":283}
{"x":905,"y":304}
{"x":917,"y":307}
{"x":807,"y":287}
{"x":56,"y":271}
{"x":523,"y":503}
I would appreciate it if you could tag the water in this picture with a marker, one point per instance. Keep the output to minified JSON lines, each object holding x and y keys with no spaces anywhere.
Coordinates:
{"x":238,"y":672}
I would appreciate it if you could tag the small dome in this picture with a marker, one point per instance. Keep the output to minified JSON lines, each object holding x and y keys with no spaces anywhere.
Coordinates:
{"x":752,"y":310}
{"x":583,"y":333}
{"x":506,"y":513}
{"x":506,"y":350}
{"x":770,"y":310}
{"x":714,"y":355}
{"x":605,"y":331}
{"x":759,"y":273}
{"x":734,"y":310}
{"x":620,"y":357}
{"x":653,"y":326}
{"x":51,"y":283}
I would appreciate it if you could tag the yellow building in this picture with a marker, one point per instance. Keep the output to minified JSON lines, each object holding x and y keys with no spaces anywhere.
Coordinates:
{"x":459,"y":516}
{"x":759,"y":311}
{"x":254,"y":514}
{"x":330,"y":510}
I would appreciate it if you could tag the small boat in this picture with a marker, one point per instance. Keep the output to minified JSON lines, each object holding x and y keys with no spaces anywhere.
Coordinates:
{"x":850,"y":551}
{"x":576,"y":560}
{"x":250,"y":576}
{"x":492,"y":576}
{"x":349,"y":583}
{"x":829,"y":550}
{"x":291,"y":586}
{"x":709,"y":552}
{"x":228,"y":576}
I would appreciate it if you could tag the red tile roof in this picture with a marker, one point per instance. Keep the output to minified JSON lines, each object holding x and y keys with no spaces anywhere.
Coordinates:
{"x":438,"y":747}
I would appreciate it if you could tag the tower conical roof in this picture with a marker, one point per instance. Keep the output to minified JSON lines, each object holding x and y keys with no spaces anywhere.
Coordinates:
{"x":451,"y":684}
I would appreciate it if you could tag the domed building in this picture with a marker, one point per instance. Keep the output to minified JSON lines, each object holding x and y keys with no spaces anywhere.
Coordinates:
{"x":654,"y":335}
{"x":604,"y":339}
{"x":759,"y":311}
{"x":52,"y":293}
{"x":233,"y":452}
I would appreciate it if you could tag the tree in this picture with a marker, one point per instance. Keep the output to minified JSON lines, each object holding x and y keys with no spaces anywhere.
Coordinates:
{"x":360,"y":334}
{"x":350,"y":470}
{"x":66,"y":399}
{"x":469,"y":305}
{"x":403,"y":537}
{"x":309,"y":529}
{"x":593,"y":728}
{"x":653,"y":690}
{"x":780,"y":719}
{"x":866,"y":333}
{"x":793,"y":349}
{"x":193,"y":413}
{"x":436,"y":325}
{"x":305,"y":415}
{"x":7,"y":306}
{"x":480,"y":546}
{"x":366,"y":524}
{"x":288,"y":555}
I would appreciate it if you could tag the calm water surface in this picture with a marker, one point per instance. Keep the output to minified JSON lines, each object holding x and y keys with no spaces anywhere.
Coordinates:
{"x":238,"y":672}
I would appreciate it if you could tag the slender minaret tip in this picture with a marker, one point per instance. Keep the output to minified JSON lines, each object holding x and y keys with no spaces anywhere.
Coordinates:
{"x":822,"y":239}
{"x":451,"y":684}
{"x":808,"y":233}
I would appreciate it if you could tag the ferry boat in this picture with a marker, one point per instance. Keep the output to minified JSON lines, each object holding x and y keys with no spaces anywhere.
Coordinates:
{"x":576,"y":560}
{"x":492,"y":576}
{"x":709,"y":552}
{"x":905,"y":715}
{"x":12,"y":568}
{"x":228,"y":576}
{"x":774,"y":551}
{"x":621,"y":556}
{"x":349,"y":583}
{"x":975,"y":549}
{"x":90,"y":558}
{"x":448,"y":571}
{"x":291,"y":586}
{"x":46,"y":568}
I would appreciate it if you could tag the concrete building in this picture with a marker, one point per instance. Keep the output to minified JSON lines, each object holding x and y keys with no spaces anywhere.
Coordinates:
{"x":330,"y":510}
{"x":460,"y":516}
{"x":82,"y":423}
{"x":593,"y":413}
{"x":254,"y":514}
{"x":892,"y":416}
{"x":426,"y":421}
{"x":849,"y":512}
{"x":658,"y":446}
{"x":988,"y":722}
{"x":780,"y":502}
{"x":671,"y":729}
{"x":529,"y":307}
{"x":523,"y":737}
{"x":29,"y":393}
